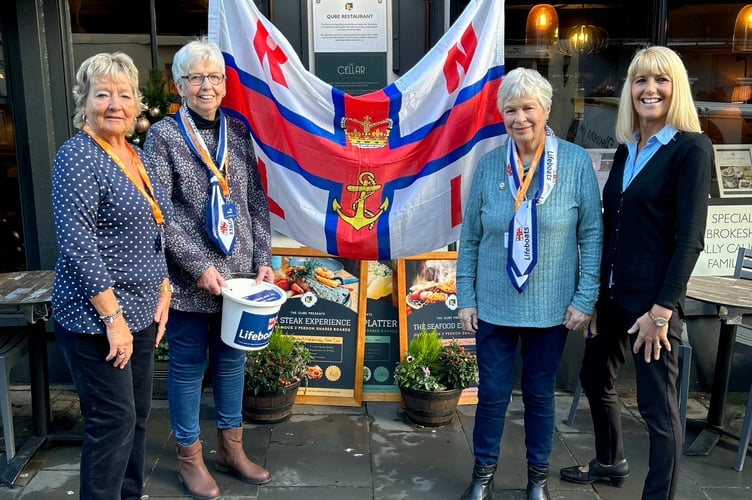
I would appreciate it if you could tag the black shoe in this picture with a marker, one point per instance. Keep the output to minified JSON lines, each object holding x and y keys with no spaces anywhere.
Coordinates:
{"x":616,"y":473}
{"x":481,"y":487}
{"x":537,"y":483}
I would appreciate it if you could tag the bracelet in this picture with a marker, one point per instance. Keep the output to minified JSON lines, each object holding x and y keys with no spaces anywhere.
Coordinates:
{"x":110,"y":318}
{"x":166,"y":288}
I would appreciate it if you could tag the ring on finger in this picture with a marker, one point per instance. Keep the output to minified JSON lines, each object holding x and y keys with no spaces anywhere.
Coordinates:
{"x":658,"y":347}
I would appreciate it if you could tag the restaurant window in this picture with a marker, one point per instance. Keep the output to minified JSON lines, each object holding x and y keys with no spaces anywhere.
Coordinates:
{"x":588,"y":81}
{"x":702,"y":33}
{"x":175,"y":22}
{"x":12,"y":254}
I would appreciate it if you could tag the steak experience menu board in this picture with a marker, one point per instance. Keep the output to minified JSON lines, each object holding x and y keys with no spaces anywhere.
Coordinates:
{"x":321,"y":310}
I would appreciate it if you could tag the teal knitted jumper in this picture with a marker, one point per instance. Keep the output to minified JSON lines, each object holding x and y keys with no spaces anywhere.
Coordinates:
{"x":570,"y":235}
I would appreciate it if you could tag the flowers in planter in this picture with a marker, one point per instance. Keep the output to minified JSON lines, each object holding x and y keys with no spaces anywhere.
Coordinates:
{"x":282,"y":363}
{"x":431,"y":366}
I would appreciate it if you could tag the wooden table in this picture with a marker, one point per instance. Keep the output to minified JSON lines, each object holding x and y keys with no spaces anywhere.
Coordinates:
{"x":732,"y":297}
{"x":29,"y":293}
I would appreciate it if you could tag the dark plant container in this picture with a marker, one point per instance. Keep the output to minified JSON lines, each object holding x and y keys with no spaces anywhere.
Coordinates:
{"x":430,"y":409}
{"x":269,"y":407}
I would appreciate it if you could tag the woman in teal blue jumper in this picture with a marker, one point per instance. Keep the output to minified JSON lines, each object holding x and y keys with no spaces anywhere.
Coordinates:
{"x":527,"y":272}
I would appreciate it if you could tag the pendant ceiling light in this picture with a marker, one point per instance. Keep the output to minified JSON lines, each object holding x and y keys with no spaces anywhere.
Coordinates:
{"x":542,"y":28}
{"x":742,"y":40}
{"x":583,"y":39}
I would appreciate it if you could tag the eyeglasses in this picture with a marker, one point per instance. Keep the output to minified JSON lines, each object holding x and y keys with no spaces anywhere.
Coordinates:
{"x":198,"y":79}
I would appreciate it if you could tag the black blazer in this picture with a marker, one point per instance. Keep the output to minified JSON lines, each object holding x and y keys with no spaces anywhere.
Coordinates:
{"x":653,"y":231}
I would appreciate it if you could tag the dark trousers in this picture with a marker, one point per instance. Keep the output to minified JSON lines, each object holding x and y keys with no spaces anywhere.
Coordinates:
{"x":657,"y":397}
{"x":115,"y":405}
{"x":541,"y":350}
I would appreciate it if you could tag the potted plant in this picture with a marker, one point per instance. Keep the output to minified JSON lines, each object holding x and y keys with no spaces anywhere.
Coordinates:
{"x":272,"y":378}
{"x":431,"y":378}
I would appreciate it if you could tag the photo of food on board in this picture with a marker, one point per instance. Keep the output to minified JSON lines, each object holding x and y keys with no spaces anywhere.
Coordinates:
{"x":381,"y":284}
{"x":310,"y":279}
{"x":430,"y":282}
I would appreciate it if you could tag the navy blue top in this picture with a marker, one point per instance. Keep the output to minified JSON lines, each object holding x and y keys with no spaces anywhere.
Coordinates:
{"x":106,"y":236}
{"x":654,"y":229}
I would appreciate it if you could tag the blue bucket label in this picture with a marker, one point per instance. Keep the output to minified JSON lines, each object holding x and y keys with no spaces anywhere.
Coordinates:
{"x":266,"y":295}
{"x":254,"y":330}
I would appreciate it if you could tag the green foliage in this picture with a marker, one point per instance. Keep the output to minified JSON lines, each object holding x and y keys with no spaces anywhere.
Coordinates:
{"x":431,"y":366}
{"x":157,"y":100}
{"x":156,"y":94}
{"x":161,"y":352}
{"x":458,"y":367}
{"x":282,"y":363}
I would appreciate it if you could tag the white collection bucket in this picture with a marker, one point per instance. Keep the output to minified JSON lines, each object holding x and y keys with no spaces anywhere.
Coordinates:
{"x":249,"y":313}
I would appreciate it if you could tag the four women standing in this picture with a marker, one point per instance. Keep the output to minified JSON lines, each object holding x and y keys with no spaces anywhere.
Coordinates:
{"x":527,"y":268}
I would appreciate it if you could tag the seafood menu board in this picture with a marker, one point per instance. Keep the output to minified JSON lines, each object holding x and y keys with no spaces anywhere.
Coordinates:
{"x":322,"y":311}
{"x":733,"y":173}
{"x":430,"y":302}
{"x":382,"y":333}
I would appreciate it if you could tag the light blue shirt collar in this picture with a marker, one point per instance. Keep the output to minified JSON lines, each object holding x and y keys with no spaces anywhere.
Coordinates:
{"x":635,"y":163}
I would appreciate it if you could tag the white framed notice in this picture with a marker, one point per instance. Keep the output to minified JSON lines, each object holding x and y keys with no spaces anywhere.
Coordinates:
{"x":358,"y":26}
{"x":602,"y":160}
{"x":728,"y":228}
{"x":733,"y":169}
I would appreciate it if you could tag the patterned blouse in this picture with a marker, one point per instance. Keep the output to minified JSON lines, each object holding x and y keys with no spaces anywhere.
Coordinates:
{"x":106,"y":236}
{"x":189,"y":250}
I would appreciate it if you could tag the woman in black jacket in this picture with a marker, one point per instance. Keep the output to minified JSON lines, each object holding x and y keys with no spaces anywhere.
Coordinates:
{"x":654,"y":212}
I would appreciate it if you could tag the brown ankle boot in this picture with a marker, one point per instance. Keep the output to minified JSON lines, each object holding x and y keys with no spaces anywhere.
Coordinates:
{"x":193,"y":474}
{"x":232,"y":459}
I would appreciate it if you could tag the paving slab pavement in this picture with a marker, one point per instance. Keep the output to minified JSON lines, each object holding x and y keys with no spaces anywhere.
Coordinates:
{"x":372,"y":452}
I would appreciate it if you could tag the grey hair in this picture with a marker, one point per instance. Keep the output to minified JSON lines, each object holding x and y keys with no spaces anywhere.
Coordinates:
{"x":193,"y":52}
{"x":95,"y":69}
{"x":525,"y":82}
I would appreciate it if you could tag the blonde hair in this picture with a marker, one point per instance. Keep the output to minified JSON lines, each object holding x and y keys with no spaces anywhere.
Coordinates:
{"x":682,"y":113}
{"x":97,"y":67}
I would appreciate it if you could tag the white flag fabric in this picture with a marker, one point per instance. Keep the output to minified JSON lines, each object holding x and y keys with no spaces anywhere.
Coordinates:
{"x":382,"y":175}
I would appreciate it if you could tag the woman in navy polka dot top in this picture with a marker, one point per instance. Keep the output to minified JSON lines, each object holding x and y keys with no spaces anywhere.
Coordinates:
{"x":110,"y":298}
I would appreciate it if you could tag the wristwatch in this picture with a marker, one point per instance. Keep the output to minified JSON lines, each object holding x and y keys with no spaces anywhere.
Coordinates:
{"x":110,"y":318}
{"x":657,"y":320}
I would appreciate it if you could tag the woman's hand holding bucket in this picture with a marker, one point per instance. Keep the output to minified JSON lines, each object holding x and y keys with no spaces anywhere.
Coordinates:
{"x":211,"y":281}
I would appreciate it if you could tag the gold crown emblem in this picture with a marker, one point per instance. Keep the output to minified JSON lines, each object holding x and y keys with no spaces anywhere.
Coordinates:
{"x":366,"y":134}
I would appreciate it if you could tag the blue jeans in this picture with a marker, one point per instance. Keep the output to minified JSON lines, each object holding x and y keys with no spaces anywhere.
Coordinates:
{"x":541,"y":350}
{"x":190,"y":336}
{"x":115,"y":405}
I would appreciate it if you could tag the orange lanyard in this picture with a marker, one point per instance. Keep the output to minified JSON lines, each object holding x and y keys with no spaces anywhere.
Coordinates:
{"x":148,"y":192}
{"x":198,"y":144}
{"x":519,"y":197}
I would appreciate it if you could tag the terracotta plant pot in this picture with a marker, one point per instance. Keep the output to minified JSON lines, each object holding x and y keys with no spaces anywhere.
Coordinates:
{"x":430,"y":409}
{"x":269,"y":407}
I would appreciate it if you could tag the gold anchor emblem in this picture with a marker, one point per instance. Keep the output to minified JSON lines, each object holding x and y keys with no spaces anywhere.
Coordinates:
{"x":362,"y":216}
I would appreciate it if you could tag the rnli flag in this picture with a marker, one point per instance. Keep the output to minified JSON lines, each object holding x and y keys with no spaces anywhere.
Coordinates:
{"x":382,"y":175}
